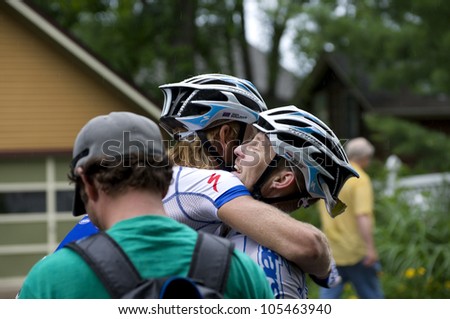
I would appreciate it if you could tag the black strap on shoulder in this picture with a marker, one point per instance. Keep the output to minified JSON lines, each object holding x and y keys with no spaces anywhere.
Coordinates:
{"x":209,"y":266}
{"x":109,"y":262}
{"x":211,"y":261}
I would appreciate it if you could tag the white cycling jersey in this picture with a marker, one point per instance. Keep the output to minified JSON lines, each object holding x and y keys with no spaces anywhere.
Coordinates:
{"x":285,"y":278}
{"x":194,"y":198}
{"x":195,"y":195}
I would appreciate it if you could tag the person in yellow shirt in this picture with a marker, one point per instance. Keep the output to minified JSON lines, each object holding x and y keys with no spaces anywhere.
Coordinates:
{"x":351,"y":234}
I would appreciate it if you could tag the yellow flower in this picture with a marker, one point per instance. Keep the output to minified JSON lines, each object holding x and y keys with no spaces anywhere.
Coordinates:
{"x":347,"y":287}
{"x":410,"y":273}
{"x":421,"y":271}
{"x":447,"y":285}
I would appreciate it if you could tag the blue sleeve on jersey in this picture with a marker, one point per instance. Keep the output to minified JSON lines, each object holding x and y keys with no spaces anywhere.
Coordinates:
{"x":82,"y":229}
{"x":230,"y":194}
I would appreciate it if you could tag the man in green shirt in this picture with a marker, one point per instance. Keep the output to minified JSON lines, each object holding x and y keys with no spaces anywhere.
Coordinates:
{"x":121,"y":174}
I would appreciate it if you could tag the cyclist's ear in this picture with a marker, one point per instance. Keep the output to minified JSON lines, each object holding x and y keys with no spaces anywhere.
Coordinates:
{"x":226,"y":134}
{"x":283,"y":179}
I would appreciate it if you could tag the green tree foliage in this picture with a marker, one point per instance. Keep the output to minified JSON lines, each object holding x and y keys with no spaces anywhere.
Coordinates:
{"x":402,"y":43}
{"x":154,"y":42}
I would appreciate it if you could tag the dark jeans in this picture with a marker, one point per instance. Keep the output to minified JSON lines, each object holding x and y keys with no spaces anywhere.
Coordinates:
{"x":363,"y":279}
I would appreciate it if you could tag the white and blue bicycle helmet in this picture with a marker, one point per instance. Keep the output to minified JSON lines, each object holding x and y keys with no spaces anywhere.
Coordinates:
{"x":311,"y":146}
{"x":208,"y":100}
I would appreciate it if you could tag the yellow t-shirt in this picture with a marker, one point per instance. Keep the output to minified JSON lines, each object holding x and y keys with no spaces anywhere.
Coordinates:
{"x":346,"y":242}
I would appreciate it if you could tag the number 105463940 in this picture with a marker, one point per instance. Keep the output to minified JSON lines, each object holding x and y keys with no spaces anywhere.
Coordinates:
{"x":303,"y":309}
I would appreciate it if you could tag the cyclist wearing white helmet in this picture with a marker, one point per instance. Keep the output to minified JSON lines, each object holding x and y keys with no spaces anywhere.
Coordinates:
{"x":195,"y":113}
{"x":293,"y":160}
{"x":297,"y":142}
{"x":208,"y":115}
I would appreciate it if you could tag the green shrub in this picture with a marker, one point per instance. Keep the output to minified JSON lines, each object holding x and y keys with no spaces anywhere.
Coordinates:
{"x":412,"y":239}
{"x":413,"y":245}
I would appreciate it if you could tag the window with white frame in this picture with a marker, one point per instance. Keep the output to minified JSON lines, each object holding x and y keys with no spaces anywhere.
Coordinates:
{"x":35,"y":185}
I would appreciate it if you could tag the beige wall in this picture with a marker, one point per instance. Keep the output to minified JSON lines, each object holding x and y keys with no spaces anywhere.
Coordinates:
{"x":46,"y":96}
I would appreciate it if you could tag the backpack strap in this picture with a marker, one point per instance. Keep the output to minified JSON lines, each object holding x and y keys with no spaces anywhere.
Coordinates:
{"x":211,"y":259}
{"x":109,"y":262}
{"x":209,"y":266}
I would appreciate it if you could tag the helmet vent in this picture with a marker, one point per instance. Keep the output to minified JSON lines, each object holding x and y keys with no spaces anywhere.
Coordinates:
{"x":280,"y":112}
{"x":209,"y":95}
{"x":264,"y":124}
{"x":248,"y":103}
{"x":293,"y":123}
{"x":195,"y":109}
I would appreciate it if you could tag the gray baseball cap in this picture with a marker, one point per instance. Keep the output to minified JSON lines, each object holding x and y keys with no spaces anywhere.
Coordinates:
{"x":106,"y":137}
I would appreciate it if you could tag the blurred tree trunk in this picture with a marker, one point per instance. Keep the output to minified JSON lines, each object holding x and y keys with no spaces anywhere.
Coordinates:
{"x":243,"y":44}
{"x":279,"y":25}
{"x":183,"y":40}
{"x":278,"y":18}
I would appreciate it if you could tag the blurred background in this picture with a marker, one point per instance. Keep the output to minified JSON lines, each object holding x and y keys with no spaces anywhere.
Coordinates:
{"x":378,"y":69}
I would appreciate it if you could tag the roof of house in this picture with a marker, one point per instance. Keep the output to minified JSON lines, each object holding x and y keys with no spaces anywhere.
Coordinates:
{"x":341,"y":68}
{"x":82,"y":54}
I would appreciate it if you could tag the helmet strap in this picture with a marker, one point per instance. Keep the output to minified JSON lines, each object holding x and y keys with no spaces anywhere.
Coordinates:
{"x":301,"y":198}
{"x":274,"y":200}
{"x":256,"y":193}
{"x":212,"y":150}
{"x":240,"y":139}
{"x":242,"y":128}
